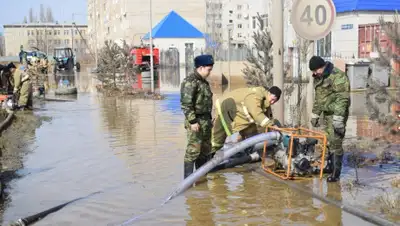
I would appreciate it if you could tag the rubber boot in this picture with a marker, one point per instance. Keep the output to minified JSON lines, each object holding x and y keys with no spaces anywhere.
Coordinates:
{"x":337,"y":168}
{"x":329,"y":167}
{"x":188,"y":169}
{"x":200,"y":161}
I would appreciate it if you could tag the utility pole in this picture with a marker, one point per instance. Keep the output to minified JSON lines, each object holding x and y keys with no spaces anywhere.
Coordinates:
{"x":310,"y":85}
{"x":47,"y":42}
{"x":72,"y":33}
{"x":277,"y":40}
{"x":151,"y":48}
{"x":95,"y":30}
{"x":230,"y":29}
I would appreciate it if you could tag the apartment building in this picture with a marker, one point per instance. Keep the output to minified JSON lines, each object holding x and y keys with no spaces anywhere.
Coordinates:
{"x":45,"y":37}
{"x":130,"y":19}
{"x":2,"y":44}
{"x":236,"y":19}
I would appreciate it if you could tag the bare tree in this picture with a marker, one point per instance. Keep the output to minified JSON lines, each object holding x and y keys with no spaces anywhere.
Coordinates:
{"x":31,"y":16}
{"x":259,"y":61}
{"x":42,"y":14}
{"x":49,"y":15}
{"x":39,"y":40}
{"x":378,"y":93}
{"x":115,"y":65}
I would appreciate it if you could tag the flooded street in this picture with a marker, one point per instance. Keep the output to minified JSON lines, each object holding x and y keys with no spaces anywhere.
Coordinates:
{"x":131,"y":153}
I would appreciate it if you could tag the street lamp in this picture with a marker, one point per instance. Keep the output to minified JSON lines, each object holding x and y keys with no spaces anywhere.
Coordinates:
{"x":230,"y":28}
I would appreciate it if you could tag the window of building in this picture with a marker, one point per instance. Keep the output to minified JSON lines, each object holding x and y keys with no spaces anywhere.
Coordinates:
{"x":324,"y":46}
{"x":230,"y":21}
{"x":254,"y":22}
{"x":66,"y":32}
{"x":240,"y":26}
{"x":230,"y":11}
{"x":29,"y":33}
{"x":189,"y":45}
{"x":239,"y":16}
{"x":239,"y":35}
{"x":219,"y":25}
{"x":239,"y":7}
{"x":66,"y":41}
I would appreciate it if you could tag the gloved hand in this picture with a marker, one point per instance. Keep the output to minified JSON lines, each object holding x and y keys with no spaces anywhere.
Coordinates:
{"x":338,"y":125}
{"x":315,"y":120}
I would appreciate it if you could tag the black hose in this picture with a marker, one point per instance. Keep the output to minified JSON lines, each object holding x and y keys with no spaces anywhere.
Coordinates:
{"x":34,"y":218}
{"x":349,"y":209}
{"x":58,"y":100}
{"x":6,"y":121}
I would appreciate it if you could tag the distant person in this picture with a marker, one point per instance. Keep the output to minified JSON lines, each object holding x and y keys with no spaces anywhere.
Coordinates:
{"x":332,"y":98}
{"x":22,"y":87}
{"x":196,"y":104}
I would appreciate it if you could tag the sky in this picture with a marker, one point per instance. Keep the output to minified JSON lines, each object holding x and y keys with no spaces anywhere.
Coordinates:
{"x":14,"y":11}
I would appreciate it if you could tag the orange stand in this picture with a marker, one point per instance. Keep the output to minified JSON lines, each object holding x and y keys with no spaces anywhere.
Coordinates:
{"x":295,"y":133}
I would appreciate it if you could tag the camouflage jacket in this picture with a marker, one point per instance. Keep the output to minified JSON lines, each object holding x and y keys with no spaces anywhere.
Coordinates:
{"x":332,"y":93}
{"x":251,"y":105}
{"x":196,"y":98}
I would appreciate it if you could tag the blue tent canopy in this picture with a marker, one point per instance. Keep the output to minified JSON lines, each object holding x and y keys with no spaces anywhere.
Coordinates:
{"x":366,"y":5}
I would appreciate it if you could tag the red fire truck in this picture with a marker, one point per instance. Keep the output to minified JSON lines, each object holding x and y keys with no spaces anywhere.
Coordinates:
{"x":141,"y":57}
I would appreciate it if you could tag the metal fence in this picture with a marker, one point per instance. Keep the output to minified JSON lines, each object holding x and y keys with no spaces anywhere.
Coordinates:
{"x":170,"y":57}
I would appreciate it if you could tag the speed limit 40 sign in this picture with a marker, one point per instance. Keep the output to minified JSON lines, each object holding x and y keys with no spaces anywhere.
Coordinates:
{"x":313,"y":19}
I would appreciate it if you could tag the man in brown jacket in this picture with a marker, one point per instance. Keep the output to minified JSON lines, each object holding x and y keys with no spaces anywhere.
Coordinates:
{"x":243,"y":110}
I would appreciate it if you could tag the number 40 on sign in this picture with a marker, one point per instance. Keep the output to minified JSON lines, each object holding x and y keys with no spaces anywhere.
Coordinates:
{"x":313,"y":19}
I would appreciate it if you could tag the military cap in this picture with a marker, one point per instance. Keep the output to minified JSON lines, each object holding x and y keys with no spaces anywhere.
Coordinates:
{"x":316,"y":62}
{"x":203,"y":60}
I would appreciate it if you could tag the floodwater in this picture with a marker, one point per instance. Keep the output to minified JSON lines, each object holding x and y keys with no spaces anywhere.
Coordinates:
{"x":131,"y":151}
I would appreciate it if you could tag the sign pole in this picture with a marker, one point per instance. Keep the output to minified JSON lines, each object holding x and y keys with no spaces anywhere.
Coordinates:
{"x":277,"y":40}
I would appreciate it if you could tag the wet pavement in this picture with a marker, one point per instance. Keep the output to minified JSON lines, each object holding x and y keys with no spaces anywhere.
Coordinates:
{"x":131,"y":151}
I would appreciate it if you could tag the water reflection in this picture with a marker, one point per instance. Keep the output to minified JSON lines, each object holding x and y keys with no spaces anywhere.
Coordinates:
{"x":138,"y":147}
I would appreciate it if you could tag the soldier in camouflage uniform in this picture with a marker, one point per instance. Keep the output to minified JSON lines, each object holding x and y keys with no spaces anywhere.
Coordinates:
{"x":196,"y":103}
{"x":245,"y":110}
{"x":332,"y":98}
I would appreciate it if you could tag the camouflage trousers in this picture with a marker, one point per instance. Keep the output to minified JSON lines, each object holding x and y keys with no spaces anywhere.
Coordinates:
{"x":198,"y":143}
{"x":335,"y":141}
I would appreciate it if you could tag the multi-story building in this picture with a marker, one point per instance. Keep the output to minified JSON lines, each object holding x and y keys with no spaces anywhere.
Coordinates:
{"x":2,"y":44}
{"x":45,"y":37}
{"x":236,"y":19}
{"x":130,"y":19}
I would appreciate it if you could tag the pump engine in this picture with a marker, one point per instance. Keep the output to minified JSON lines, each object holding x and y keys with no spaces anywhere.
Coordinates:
{"x":303,"y":156}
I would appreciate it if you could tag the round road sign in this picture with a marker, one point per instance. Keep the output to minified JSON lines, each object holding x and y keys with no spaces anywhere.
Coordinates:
{"x":313,"y":19}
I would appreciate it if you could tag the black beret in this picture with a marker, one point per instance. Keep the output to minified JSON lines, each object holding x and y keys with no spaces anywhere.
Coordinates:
{"x":275,"y":91}
{"x":203,"y":60}
{"x":316,"y":62}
